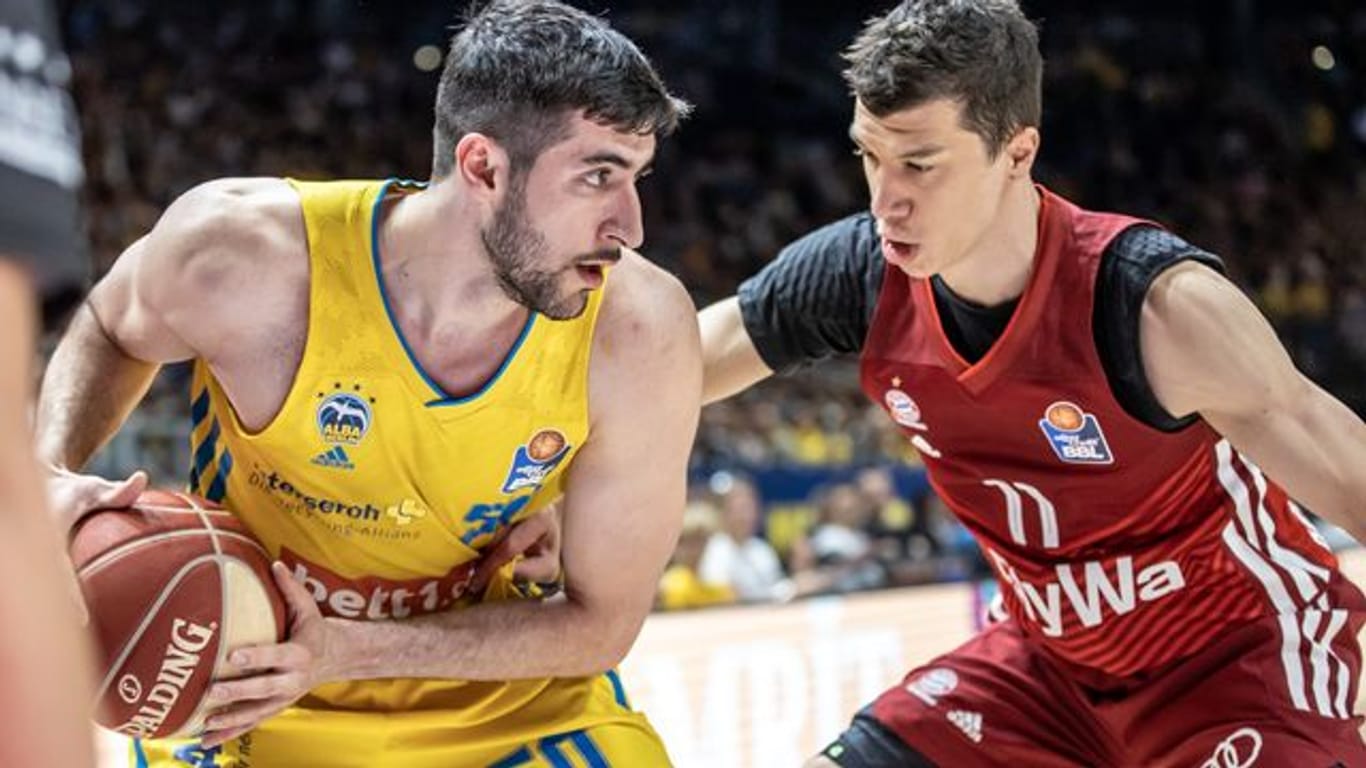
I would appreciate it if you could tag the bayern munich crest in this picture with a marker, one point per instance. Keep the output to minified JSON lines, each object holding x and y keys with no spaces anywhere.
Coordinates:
{"x":903,"y":409}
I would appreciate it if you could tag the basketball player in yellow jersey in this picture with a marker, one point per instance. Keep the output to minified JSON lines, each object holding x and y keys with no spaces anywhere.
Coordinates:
{"x":388,"y":376}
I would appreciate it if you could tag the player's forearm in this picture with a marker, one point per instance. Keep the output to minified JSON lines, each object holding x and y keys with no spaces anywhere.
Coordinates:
{"x":88,"y":391}
{"x":1336,"y":453}
{"x":730,"y":362}
{"x":491,"y":641}
{"x":1314,"y":446}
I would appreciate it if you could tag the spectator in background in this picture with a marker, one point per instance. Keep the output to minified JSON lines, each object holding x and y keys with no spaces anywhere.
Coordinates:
{"x":681,"y":587}
{"x":1313,"y":302}
{"x":901,"y":536}
{"x":841,"y":545}
{"x":1352,"y":321}
{"x":736,"y":555}
{"x":894,"y":521}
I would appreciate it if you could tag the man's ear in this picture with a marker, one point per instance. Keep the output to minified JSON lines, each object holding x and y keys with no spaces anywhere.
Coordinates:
{"x":481,"y":164}
{"x":1021,"y":150}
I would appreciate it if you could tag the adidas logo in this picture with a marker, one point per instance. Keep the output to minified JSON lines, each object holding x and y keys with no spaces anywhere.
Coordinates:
{"x":335,"y":458}
{"x":970,"y":723}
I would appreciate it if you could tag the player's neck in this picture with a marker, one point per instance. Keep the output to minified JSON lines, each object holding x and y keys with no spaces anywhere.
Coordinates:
{"x":434,"y":268}
{"x":997,"y":268}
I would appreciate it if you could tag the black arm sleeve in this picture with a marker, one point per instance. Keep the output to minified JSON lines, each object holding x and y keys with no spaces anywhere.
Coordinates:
{"x":40,"y":165}
{"x":1128,"y":268}
{"x":816,"y":299}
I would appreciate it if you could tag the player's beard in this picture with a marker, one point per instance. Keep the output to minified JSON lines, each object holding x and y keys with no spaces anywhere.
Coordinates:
{"x":515,"y":249}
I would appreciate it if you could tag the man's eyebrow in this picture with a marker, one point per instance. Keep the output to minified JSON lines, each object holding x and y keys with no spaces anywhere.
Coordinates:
{"x":919,"y":152}
{"x":913,"y":154}
{"x":909,"y":155}
{"x":607,"y":158}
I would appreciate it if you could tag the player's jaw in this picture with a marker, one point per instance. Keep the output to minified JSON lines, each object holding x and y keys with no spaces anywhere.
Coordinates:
{"x":532,"y":275}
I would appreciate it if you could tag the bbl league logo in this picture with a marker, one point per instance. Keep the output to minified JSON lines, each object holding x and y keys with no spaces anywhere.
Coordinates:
{"x":532,"y":463}
{"x":1075,"y":435}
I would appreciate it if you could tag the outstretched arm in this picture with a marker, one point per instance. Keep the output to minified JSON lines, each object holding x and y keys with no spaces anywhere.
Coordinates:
{"x":1207,"y":350}
{"x":730,"y":362}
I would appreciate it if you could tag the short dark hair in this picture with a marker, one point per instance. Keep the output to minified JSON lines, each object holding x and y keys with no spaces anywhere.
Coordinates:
{"x":519,"y":69}
{"x":983,"y":54}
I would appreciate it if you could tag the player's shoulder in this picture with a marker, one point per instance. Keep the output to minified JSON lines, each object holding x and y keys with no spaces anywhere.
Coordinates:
{"x":1190,"y":287}
{"x":643,"y":294}
{"x":231,"y":232}
{"x":234,"y":212}
{"x":645,"y":308}
{"x":1147,"y":246}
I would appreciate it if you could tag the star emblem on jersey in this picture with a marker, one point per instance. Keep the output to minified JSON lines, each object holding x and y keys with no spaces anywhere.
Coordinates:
{"x":1075,"y":435}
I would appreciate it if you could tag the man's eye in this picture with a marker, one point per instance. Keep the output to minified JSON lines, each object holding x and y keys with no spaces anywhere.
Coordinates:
{"x":598,"y":178}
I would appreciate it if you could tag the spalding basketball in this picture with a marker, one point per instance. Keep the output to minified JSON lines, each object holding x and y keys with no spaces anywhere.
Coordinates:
{"x":172,"y":584}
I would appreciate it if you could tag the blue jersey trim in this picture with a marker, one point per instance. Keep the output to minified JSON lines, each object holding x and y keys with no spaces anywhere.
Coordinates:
{"x":443,"y":398}
{"x":618,"y":690}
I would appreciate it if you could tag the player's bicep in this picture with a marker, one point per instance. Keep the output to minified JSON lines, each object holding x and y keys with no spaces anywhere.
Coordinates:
{"x":1208,"y":350}
{"x":170,"y":295}
{"x":1211,"y":352}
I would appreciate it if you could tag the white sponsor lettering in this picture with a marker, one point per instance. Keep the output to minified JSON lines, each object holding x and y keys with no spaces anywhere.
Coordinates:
{"x":1239,"y":750}
{"x":1091,"y":590}
{"x":923,"y":445}
{"x":178,"y":665}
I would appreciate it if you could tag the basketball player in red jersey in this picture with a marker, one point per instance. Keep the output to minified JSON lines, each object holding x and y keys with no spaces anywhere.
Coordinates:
{"x":1109,"y":415}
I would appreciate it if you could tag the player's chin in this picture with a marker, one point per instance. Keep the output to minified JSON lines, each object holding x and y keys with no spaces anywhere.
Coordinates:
{"x":919,"y":269}
{"x":568,"y":307}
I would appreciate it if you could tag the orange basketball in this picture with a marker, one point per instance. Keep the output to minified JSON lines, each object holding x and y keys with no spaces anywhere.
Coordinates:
{"x":172,"y":585}
{"x":545,"y":445}
{"x":1065,"y":416}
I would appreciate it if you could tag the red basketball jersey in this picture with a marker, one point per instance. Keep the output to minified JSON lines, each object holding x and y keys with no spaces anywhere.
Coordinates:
{"x":1119,"y":547}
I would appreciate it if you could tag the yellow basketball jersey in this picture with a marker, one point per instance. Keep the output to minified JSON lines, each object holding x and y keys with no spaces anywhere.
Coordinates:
{"x":378,"y":491}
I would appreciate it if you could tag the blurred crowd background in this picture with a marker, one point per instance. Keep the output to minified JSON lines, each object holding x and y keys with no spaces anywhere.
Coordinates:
{"x":1241,"y":124}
